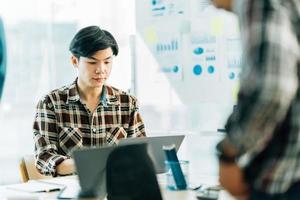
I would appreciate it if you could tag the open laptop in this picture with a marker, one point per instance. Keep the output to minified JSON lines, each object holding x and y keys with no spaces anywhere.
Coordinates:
{"x":91,"y":164}
{"x":155,"y":149}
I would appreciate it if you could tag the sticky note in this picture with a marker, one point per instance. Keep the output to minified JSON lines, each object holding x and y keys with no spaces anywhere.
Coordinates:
{"x":150,"y":35}
{"x":217,"y":26}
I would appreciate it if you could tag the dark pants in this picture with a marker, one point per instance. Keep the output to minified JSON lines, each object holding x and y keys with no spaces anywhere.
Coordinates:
{"x":292,"y":194}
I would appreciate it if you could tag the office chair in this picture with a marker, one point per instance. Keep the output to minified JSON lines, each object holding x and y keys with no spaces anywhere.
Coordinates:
{"x":130,"y":174}
{"x":28,"y":170}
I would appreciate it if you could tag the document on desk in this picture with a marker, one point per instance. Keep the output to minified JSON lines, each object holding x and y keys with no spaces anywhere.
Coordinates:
{"x":36,"y":186}
{"x":71,"y":190}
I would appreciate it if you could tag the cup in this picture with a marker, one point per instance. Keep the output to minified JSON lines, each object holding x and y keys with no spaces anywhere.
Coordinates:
{"x":175,"y":177}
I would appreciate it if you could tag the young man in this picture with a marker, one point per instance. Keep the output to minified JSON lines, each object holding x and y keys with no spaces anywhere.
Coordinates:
{"x":260,"y":156}
{"x":88,"y":112}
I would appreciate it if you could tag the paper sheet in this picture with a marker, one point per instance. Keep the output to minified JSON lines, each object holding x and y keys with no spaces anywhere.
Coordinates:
{"x":36,"y":186}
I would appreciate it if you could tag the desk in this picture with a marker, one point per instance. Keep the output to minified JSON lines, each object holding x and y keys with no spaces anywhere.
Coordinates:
{"x":6,"y":193}
{"x":202,"y":161}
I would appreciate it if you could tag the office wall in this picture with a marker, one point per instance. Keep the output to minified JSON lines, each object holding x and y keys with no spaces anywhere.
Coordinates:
{"x":187,"y":64}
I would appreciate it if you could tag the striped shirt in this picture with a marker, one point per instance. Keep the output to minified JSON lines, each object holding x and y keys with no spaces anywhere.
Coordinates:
{"x":265,"y":127}
{"x":63,"y":123}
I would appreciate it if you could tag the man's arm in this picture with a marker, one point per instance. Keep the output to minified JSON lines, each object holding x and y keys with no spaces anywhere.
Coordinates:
{"x":46,"y":138}
{"x":66,"y":167}
{"x":136,"y":125}
{"x":268,"y":87}
{"x":231,"y":176}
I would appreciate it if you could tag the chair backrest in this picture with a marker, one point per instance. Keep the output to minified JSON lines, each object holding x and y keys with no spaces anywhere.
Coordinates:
{"x":130,"y":174}
{"x":28,"y":170}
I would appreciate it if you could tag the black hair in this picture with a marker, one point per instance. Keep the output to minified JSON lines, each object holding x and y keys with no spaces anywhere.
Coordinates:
{"x":91,"y":39}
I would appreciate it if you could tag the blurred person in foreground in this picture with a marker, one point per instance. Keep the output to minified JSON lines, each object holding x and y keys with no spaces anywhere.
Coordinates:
{"x":88,"y":112}
{"x":260,"y":155}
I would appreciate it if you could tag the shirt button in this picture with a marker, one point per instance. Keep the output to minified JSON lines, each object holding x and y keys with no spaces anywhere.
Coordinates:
{"x":94,"y":130}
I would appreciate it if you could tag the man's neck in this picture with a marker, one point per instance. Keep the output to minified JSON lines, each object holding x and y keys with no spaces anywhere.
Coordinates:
{"x":87,"y":93}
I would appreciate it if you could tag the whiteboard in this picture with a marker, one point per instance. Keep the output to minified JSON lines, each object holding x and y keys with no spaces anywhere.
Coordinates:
{"x":188,"y":63}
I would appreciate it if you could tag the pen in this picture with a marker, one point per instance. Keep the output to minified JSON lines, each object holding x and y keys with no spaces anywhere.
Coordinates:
{"x":50,"y":190}
{"x":54,"y":189}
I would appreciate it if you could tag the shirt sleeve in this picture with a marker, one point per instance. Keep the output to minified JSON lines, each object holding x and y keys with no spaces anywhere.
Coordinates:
{"x":269,"y":81}
{"x":136,"y":125}
{"x":46,"y":138}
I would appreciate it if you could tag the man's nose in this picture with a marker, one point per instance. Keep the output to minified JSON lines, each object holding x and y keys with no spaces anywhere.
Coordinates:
{"x":100,"y":68}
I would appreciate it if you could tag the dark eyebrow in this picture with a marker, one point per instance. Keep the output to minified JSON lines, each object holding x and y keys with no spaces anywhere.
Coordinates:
{"x":93,"y":58}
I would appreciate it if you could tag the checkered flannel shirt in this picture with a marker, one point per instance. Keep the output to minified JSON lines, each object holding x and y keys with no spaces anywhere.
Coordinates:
{"x":265,"y":128}
{"x":63,"y":123}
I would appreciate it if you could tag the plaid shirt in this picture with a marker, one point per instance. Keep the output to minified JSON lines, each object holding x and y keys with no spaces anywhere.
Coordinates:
{"x":265,"y":127}
{"x":63,"y":123}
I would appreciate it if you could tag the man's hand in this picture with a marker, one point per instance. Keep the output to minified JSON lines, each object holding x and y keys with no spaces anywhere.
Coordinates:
{"x":66,"y":167}
{"x":232,"y":179}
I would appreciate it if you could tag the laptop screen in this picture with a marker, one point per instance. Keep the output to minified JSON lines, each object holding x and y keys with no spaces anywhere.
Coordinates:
{"x":91,"y":169}
{"x":155,"y":149}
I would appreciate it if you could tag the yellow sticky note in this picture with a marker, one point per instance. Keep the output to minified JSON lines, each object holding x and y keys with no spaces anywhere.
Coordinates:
{"x":237,"y":29}
{"x":235,"y":91}
{"x":150,"y":35}
{"x":217,"y":26}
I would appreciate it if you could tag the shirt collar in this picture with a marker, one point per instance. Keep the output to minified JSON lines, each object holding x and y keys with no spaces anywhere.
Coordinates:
{"x":73,"y":95}
{"x":111,"y":97}
{"x":107,"y":97}
{"x":103,"y":99}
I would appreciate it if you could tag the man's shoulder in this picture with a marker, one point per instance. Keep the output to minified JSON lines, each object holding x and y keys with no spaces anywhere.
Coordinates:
{"x":120,"y":94}
{"x":59,"y":95}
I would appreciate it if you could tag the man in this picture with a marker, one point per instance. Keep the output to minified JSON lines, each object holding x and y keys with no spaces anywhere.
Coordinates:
{"x":260,"y":156}
{"x":88,"y":112}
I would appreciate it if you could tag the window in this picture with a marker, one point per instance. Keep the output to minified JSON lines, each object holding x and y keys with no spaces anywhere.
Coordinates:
{"x":38,"y":34}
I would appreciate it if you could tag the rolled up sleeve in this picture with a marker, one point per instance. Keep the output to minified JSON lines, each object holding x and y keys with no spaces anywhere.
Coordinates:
{"x":46,"y":138}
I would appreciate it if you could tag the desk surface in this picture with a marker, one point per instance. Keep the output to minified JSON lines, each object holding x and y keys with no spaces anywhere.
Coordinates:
{"x":202,"y":161}
{"x":6,"y":193}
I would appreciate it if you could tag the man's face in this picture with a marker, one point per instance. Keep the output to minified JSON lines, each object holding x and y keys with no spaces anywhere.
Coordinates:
{"x":95,"y":70}
{"x":225,"y":4}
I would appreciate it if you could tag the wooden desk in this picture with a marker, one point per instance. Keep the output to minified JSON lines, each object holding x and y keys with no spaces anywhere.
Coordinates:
{"x":6,"y":193}
{"x":202,"y":159}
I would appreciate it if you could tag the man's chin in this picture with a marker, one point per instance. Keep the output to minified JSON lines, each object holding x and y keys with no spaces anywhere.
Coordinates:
{"x":98,"y":85}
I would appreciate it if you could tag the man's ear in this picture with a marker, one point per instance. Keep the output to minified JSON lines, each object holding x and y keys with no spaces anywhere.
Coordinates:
{"x":74,"y":61}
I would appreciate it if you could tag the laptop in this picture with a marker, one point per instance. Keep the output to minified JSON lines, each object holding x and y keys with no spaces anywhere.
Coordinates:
{"x":155,"y":149}
{"x":91,"y":164}
{"x":91,"y":170}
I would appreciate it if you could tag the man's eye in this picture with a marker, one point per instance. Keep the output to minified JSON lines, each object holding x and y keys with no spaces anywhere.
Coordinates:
{"x":92,"y":63}
{"x":107,"y":62}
